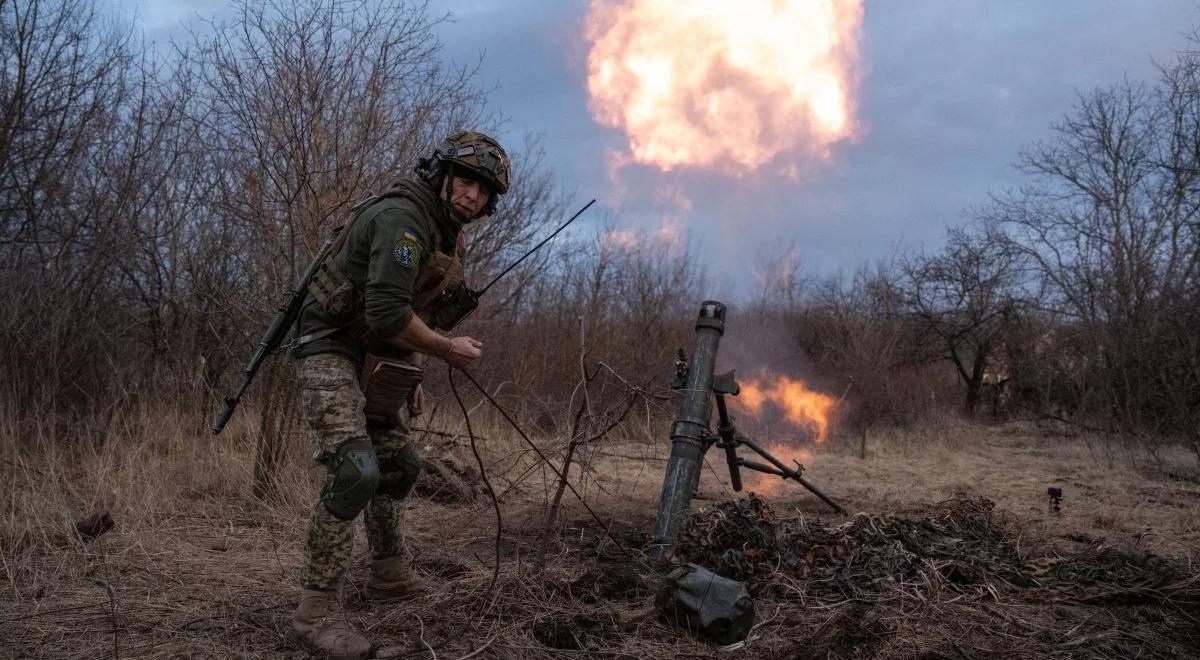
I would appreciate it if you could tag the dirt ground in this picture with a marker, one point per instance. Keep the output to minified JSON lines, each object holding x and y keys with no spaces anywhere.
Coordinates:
{"x":196,"y":568}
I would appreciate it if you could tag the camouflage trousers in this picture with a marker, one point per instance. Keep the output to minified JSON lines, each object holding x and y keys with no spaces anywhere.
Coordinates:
{"x":333,"y":404}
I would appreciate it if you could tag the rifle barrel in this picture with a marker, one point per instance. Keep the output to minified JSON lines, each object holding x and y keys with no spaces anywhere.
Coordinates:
{"x":223,"y":415}
{"x":272,"y":338}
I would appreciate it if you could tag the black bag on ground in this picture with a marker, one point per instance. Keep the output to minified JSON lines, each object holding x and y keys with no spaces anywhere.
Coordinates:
{"x":702,"y":601}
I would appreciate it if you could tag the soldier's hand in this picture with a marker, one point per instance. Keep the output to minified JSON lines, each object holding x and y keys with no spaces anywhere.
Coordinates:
{"x":463,"y":351}
{"x":416,"y":401}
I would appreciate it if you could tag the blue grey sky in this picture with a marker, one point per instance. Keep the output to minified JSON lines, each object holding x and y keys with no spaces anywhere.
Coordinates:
{"x":950,"y":91}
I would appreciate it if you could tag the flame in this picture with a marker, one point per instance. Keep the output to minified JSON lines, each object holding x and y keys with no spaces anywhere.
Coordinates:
{"x":718,"y":83}
{"x":801,"y":406}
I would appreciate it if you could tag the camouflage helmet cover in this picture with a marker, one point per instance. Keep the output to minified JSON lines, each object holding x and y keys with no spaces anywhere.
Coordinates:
{"x":479,"y":154}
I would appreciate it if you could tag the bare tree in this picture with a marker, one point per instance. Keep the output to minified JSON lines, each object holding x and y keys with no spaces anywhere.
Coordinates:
{"x":857,"y":332}
{"x":1108,"y":218}
{"x":967,"y":296}
{"x":87,"y":144}
{"x":304,"y":107}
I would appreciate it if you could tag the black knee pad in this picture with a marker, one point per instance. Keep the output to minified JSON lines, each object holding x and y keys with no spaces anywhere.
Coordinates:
{"x":399,"y":473}
{"x":353,"y":478}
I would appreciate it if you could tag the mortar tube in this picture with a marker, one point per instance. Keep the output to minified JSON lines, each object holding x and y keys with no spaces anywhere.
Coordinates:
{"x":690,"y":433}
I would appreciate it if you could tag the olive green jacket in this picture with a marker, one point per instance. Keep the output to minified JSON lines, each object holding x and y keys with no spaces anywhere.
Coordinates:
{"x":388,"y":241}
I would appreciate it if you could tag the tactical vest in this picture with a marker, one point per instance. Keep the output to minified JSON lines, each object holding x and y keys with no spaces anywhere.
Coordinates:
{"x":344,"y":303}
{"x":439,"y":272}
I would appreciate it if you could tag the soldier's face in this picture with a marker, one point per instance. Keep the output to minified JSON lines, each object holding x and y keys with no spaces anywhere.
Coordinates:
{"x":470,"y":197}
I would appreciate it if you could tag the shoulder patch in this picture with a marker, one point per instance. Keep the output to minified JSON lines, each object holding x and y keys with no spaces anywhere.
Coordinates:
{"x":407,"y":252}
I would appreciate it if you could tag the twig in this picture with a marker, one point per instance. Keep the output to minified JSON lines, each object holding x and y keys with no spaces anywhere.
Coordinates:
{"x":608,"y":454}
{"x":22,"y":466}
{"x":546,"y":460}
{"x":59,"y":610}
{"x":114,"y":609}
{"x":482,"y":475}
{"x":421,"y":636}
{"x":444,"y":434}
{"x":565,"y":471}
{"x":479,"y":650}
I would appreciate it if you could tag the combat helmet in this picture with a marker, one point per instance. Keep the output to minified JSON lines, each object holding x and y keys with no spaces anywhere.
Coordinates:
{"x":479,"y":156}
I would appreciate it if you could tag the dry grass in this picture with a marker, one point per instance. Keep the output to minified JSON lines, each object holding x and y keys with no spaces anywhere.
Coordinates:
{"x":195,"y":567}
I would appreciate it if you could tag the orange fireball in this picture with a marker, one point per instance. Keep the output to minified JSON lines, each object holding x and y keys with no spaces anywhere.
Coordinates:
{"x":801,"y":406}
{"x":730,"y":85}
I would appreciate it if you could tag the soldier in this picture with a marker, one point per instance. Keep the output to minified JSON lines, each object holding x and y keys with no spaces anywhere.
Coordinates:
{"x":370,"y":319}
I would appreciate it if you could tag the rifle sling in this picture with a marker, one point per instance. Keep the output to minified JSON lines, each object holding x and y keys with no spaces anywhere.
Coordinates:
{"x":319,"y":334}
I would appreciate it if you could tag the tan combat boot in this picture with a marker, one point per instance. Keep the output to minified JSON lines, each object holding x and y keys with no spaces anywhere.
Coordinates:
{"x":320,"y":624}
{"x":393,"y":578}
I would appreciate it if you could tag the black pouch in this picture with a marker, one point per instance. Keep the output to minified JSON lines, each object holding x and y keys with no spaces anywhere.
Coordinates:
{"x":701,"y":601}
{"x":457,"y":303}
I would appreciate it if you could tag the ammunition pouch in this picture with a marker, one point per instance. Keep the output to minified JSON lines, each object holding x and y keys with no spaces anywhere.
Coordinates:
{"x":442,"y":297}
{"x":329,"y":287}
{"x":335,"y":293}
{"x":386,"y":384}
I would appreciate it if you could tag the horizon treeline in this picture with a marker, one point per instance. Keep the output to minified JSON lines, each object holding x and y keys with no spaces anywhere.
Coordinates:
{"x":155,"y":209}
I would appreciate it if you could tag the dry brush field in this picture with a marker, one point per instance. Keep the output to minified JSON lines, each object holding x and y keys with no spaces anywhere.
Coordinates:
{"x":155,"y":202}
{"x":924,"y":568}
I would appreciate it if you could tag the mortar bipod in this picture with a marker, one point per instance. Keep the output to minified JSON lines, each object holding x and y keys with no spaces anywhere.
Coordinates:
{"x":729,"y":439}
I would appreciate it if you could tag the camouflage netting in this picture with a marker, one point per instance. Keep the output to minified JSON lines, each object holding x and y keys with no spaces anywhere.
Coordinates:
{"x":961,"y":544}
